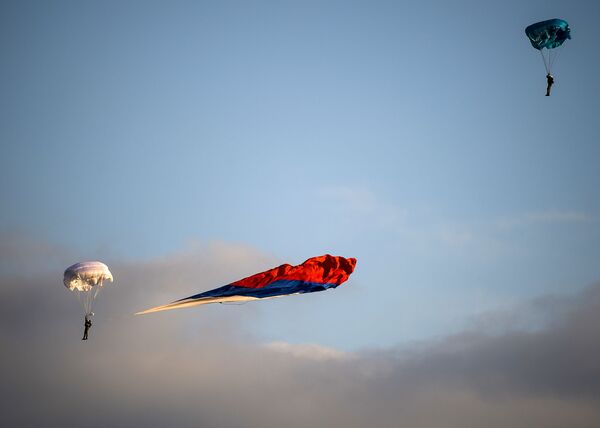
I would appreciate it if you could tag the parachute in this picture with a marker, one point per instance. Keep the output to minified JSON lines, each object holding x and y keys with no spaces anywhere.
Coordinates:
{"x":86,"y":279}
{"x":315,"y":274}
{"x":548,"y":35}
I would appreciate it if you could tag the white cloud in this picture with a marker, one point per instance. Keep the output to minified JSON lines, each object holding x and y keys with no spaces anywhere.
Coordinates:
{"x":363,"y":204}
{"x":544,"y":217}
{"x":309,"y":351}
{"x":204,"y":368}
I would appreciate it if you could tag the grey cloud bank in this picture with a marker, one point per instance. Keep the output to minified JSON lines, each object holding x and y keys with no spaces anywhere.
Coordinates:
{"x":206,"y":367}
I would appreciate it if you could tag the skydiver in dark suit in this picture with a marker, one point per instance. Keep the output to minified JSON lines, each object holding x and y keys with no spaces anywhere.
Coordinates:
{"x":550,"y":80}
{"x":88,"y":325}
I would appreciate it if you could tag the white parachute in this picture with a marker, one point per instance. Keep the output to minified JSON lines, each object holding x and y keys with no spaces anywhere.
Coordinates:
{"x":86,"y":279}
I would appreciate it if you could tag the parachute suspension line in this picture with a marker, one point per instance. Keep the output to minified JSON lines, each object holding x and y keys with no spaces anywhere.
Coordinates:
{"x":551,"y":56}
{"x":86,"y":301}
{"x":98,"y":287}
{"x":553,"y":60}
{"x":544,"y":59}
{"x":85,"y":298}
{"x":80,"y":298}
{"x":89,"y":297}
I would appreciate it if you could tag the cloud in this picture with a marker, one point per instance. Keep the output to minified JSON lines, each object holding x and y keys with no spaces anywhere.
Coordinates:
{"x":434,"y":231}
{"x":311,"y":351}
{"x":22,"y":255}
{"x":363,"y":204}
{"x":206,"y":368}
{"x":544,"y":217}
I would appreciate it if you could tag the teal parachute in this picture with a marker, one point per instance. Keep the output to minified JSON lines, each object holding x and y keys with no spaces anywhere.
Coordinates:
{"x":546,"y":37}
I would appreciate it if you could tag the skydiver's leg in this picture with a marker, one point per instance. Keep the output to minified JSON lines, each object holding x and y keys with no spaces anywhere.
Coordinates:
{"x":549,"y":88}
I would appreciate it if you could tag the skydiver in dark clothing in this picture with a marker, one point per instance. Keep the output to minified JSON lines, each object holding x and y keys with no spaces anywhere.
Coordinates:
{"x":550,"y":80}
{"x":88,"y":324}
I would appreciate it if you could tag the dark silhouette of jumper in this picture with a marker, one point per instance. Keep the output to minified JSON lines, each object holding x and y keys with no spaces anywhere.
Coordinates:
{"x":550,"y":80}
{"x":88,"y":325}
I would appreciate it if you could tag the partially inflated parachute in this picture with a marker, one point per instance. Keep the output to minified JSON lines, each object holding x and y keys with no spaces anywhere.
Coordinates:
{"x":315,"y":274}
{"x":548,"y":35}
{"x":86,"y":279}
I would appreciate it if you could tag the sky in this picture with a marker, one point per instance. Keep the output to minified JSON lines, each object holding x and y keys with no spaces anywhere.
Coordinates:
{"x":191,"y":143}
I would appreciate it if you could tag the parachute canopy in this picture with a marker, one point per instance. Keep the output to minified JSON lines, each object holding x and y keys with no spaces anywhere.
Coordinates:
{"x":86,"y":275}
{"x":548,"y":34}
{"x":315,"y":274}
{"x":86,"y":279}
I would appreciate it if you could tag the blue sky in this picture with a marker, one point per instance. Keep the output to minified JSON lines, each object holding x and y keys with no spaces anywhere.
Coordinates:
{"x":412,"y":135}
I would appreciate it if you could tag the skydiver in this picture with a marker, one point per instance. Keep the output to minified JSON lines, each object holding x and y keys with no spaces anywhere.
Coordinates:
{"x":88,"y":325}
{"x":550,"y":80}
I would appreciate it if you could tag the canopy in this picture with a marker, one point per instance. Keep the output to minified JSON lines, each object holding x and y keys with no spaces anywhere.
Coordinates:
{"x":85,"y":275}
{"x":548,"y":34}
{"x":315,"y":274}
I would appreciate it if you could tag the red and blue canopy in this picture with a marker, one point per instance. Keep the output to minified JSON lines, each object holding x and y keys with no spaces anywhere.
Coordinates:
{"x":315,"y":274}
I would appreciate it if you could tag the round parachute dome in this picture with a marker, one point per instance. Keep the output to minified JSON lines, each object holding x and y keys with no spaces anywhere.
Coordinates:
{"x":86,"y":275}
